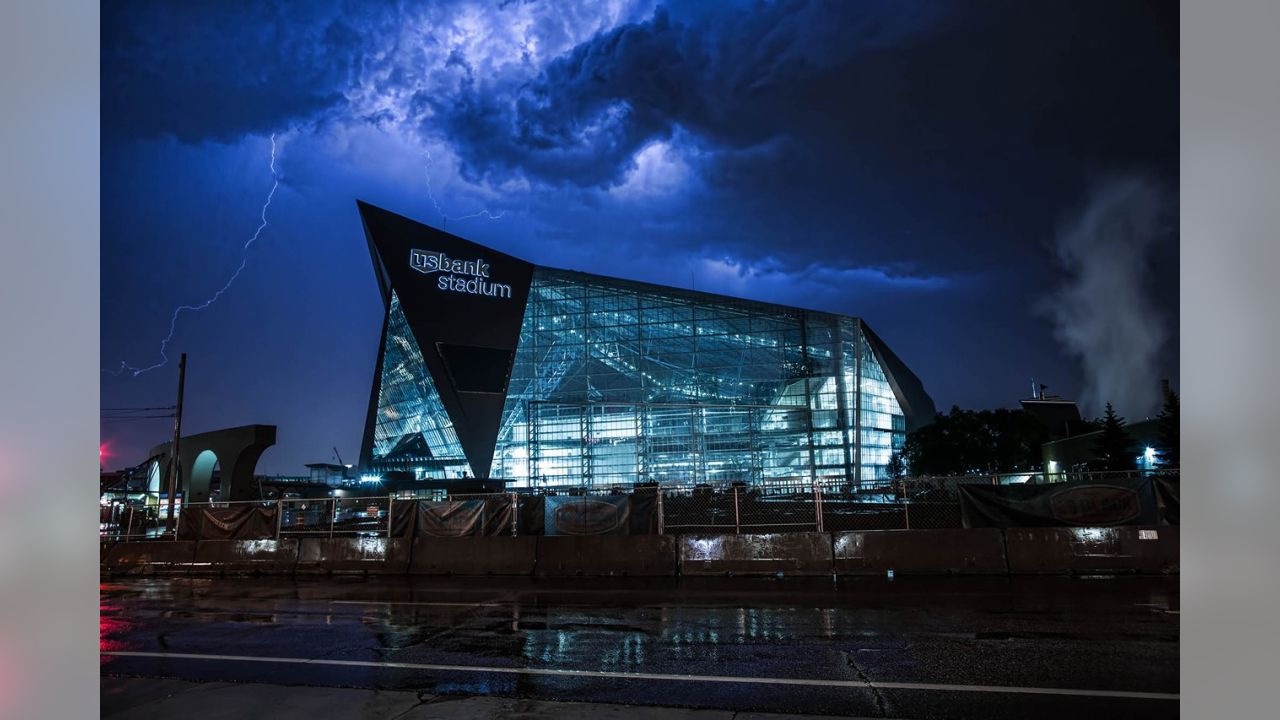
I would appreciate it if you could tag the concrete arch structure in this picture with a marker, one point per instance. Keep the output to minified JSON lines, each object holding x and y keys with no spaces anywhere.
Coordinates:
{"x":235,"y":450}
{"x":202,"y":468}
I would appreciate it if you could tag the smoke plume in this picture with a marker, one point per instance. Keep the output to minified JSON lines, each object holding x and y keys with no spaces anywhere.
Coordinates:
{"x":1103,"y":311}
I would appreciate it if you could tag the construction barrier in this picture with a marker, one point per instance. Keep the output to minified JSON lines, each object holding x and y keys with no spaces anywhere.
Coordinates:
{"x":473,"y":556}
{"x":246,"y":557}
{"x":771,"y":554}
{"x":370,"y":555}
{"x":1150,"y":550}
{"x":958,"y":552}
{"x":633,"y":555}
{"x":151,"y":557}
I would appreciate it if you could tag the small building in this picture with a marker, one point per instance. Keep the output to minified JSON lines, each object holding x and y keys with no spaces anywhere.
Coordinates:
{"x":1059,"y":416}
{"x":331,"y":474}
{"x":1075,"y":453}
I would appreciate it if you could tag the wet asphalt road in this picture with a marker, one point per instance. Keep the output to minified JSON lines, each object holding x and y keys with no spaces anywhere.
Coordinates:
{"x":907,"y":648}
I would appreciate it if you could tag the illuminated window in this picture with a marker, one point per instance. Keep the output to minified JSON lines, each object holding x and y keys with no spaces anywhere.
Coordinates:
{"x":616,"y":382}
{"x":412,"y":425}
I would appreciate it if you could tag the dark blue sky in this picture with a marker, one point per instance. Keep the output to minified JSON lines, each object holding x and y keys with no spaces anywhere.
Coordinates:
{"x":915,"y":164}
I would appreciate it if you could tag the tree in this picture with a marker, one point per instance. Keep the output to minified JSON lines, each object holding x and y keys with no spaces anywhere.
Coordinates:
{"x":1167,"y":427}
{"x":1114,"y":447}
{"x":897,"y":467}
{"x":967,"y":442}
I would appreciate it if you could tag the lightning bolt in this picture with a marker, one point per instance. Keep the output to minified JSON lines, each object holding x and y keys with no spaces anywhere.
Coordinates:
{"x":427,"y":152}
{"x":444,"y":217}
{"x":244,"y":260}
{"x":483,"y":213}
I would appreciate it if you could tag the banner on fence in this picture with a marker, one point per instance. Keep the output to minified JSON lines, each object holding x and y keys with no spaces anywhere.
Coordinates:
{"x":492,"y":515}
{"x":644,"y":512}
{"x":499,"y":515}
{"x":243,"y":522}
{"x":450,"y":518}
{"x":532,"y":520}
{"x":403,"y":518}
{"x":587,"y":515}
{"x":1104,"y":504}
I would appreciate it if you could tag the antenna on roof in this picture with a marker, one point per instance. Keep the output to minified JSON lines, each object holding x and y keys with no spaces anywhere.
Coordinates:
{"x":1034,"y":395}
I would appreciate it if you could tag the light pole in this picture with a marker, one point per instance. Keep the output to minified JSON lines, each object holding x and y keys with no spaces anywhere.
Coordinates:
{"x":174,"y":457}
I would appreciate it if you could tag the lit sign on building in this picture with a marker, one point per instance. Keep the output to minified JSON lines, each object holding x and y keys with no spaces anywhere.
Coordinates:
{"x":464,"y":276}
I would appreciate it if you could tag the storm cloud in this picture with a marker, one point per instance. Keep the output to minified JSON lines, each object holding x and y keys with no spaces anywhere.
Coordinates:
{"x":733,"y":78}
{"x":901,"y":161}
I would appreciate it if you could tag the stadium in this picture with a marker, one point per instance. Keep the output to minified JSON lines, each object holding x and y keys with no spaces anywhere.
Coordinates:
{"x":493,"y":368}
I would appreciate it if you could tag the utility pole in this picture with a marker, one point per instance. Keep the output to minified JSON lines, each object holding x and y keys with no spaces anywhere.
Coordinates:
{"x":174,"y":456}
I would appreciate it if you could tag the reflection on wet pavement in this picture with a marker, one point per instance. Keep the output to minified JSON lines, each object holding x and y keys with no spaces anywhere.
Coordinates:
{"x":1096,"y":635}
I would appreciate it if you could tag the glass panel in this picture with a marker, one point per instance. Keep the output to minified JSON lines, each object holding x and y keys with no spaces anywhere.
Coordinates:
{"x":412,"y":428}
{"x":616,"y":382}
{"x":882,"y":424}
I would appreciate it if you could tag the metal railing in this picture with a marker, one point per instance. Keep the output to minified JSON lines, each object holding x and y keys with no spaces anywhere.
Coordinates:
{"x":293,"y":517}
{"x":125,"y":522}
{"x":829,"y":505}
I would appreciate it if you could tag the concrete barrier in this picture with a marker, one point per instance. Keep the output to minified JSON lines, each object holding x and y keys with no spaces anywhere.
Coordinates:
{"x":625,"y":555}
{"x":150,"y":557}
{"x":1152,"y":550}
{"x":245,"y":557}
{"x":1148,"y":550}
{"x":473,"y":556}
{"x":978,"y":551}
{"x":787,"y":553}
{"x":371,"y":555}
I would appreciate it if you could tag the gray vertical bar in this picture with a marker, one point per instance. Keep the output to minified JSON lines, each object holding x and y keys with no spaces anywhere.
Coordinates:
{"x":817,"y":505}
{"x":737,"y":527}
{"x":661,"y":520}
{"x":906,"y":505}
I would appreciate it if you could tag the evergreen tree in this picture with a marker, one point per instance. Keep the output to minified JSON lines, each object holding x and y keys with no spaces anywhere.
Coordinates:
{"x":968,"y":442}
{"x":1114,"y":448}
{"x":1168,"y":432}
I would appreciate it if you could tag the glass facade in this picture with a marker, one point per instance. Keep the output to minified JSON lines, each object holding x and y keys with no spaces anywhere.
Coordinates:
{"x":412,"y":429}
{"x":614,"y":383}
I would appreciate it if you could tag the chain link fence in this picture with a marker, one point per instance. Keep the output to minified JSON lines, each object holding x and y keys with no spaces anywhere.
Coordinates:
{"x":828,"y":506}
{"x":120,"y":521}
{"x":331,"y":517}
